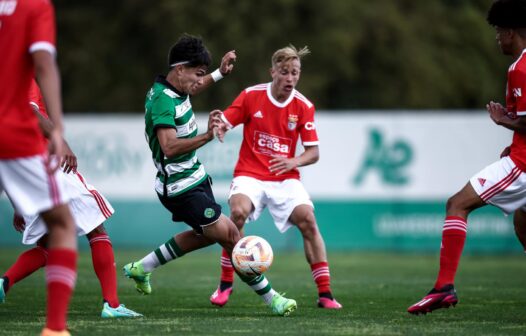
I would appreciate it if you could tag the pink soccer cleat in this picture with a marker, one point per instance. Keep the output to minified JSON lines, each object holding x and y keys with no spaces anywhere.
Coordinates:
{"x":444,"y":297}
{"x":327,"y":303}
{"x":219,"y":297}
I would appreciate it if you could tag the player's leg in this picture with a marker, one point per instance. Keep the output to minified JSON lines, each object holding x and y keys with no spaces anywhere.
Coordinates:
{"x":500,"y":184}
{"x":240,"y":208}
{"x":26,"y":264}
{"x":519,"y":222}
{"x":225,"y":232}
{"x":61,"y":268}
{"x":32,"y":189}
{"x":176,"y":247}
{"x":303,"y":218}
{"x":104,"y":265}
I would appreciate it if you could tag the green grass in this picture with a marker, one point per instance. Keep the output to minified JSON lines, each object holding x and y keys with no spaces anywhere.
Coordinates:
{"x":375,"y":290}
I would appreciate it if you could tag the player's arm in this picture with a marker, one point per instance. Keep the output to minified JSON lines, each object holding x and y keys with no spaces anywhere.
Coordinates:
{"x":280,"y":165}
{"x":226,"y":67}
{"x":69,"y":160}
{"x":500,"y":116}
{"x":173,"y":146}
{"x":47,"y":75}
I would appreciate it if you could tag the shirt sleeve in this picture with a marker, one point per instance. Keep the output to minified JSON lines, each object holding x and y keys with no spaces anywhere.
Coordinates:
{"x":163,"y":111}
{"x":517,"y":86}
{"x":42,"y":32}
{"x":236,"y":113}
{"x":307,"y":128}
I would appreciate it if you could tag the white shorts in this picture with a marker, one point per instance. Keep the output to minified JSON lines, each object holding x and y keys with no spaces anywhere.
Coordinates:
{"x":29,"y":187}
{"x":281,"y":198}
{"x":89,"y":210}
{"x":501,"y":184}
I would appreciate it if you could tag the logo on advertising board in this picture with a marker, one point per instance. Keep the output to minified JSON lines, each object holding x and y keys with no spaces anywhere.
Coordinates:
{"x":271,"y":145}
{"x":389,"y":160}
{"x":292,"y":122}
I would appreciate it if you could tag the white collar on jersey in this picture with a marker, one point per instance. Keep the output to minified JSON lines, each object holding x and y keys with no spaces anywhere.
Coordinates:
{"x":277,"y":103}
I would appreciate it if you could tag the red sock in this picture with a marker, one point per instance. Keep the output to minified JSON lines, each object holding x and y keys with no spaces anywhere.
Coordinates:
{"x":104,"y":265}
{"x":61,"y":274}
{"x":227,"y":270}
{"x":27,"y":263}
{"x":453,"y":238}
{"x":322,"y":277}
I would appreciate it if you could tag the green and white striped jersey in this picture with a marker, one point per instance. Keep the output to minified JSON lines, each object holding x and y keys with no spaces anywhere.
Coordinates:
{"x":167,"y":108}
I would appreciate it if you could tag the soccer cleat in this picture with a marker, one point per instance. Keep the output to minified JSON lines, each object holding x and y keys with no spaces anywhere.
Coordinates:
{"x":120,"y":311}
{"x":2,"y":291}
{"x":327,"y":303}
{"x":282,"y":306}
{"x":49,"y":332}
{"x":136,"y":272}
{"x":219,"y":297}
{"x":444,"y":297}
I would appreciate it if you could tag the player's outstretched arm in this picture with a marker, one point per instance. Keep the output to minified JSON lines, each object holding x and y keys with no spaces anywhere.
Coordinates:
{"x":226,"y":67}
{"x":173,"y":146}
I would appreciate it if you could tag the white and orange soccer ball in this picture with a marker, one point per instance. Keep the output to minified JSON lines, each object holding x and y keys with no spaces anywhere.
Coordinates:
{"x":252,"y":256}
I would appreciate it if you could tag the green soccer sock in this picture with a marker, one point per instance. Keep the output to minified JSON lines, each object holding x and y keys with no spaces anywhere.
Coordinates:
{"x":261,"y":286}
{"x":161,"y":255}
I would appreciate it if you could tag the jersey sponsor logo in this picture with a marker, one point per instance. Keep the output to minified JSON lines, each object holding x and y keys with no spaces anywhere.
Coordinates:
{"x":309,"y":126}
{"x":258,"y":114}
{"x":482,"y":181}
{"x":292,"y":122}
{"x":271,"y":145}
{"x":517,"y":92}
{"x":7,"y":7}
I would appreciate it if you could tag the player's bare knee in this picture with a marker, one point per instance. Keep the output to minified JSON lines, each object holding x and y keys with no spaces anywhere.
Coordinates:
{"x":238,"y":216}
{"x":307,"y":225}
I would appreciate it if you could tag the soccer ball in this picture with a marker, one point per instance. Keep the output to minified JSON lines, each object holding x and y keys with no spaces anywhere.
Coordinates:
{"x":252,"y":256}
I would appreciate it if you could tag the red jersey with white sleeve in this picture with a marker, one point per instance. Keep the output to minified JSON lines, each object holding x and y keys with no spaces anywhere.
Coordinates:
{"x":26,"y":26}
{"x":516,"y":107}
{"x":270,"y":129}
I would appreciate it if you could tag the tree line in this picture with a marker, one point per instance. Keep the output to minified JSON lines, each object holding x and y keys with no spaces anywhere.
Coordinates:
{"x":375,"y":54}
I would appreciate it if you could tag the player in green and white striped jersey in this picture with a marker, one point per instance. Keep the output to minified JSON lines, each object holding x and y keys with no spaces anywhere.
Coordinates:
{"x":182,"y":184}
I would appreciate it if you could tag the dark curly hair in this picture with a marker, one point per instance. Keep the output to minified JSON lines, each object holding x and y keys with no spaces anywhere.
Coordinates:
{"x":508,"y":14}
{"x":189,"y":49}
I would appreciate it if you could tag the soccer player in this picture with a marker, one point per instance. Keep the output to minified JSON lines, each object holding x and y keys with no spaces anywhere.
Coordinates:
{"x":182,"y":184}
{"x":503,"y":183}
{"x":90,"y":209}
{"x":274,"y":115}
{"x":28,"y":175}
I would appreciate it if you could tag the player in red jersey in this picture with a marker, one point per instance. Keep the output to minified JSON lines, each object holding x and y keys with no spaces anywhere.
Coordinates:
{"x":90,"y":209}
{"x":274,"y":116}
{"x":503,"y":183}
{"x":27,"y":174}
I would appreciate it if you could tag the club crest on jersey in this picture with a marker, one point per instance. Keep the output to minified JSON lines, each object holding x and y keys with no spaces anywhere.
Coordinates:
{"x":292,"y":122}
{"x":482,"y":181}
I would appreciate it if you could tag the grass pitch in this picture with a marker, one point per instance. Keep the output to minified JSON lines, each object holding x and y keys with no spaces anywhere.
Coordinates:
{"x":375,"y":289}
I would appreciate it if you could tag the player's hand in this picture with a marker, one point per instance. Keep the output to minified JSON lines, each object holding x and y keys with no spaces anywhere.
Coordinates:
{"x":227,"y":63}
{"x":55,"y":150}
{"x":214,"y":120}
{"x":69,"y":160}
{"x":505,"y":152}
{"x":280,"y":165}
{"x":19,"y":223}
{"x":221,"y":131}
{"x":496,"y":112}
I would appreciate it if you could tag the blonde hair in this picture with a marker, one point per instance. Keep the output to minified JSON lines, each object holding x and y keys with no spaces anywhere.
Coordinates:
{"x":288,"y":53}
